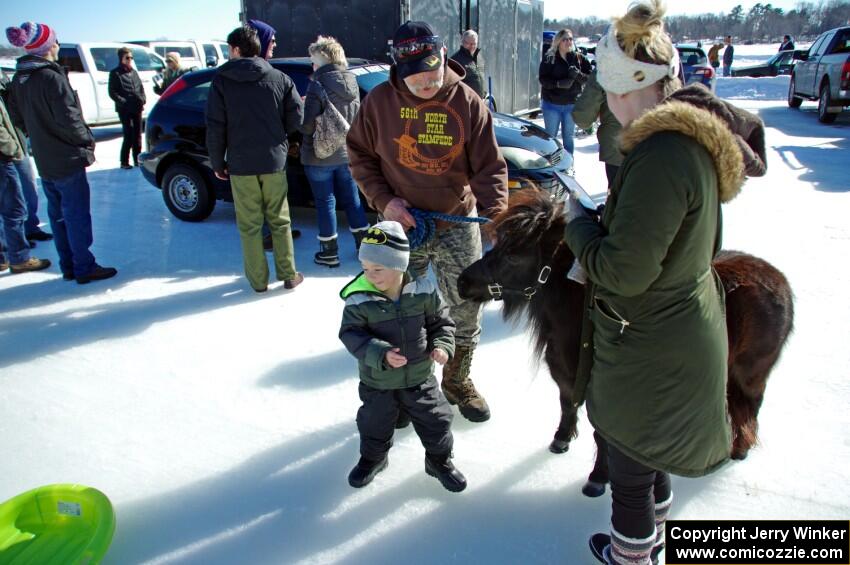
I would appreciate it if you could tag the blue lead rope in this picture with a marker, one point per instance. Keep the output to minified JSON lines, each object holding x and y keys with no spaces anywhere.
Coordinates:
{"x":426,"y":225}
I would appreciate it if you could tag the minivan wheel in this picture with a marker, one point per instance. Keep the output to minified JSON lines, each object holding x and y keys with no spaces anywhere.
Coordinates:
{"x":824,"y":116}
{"x":187,"y":193}
{"x":793,"y":100}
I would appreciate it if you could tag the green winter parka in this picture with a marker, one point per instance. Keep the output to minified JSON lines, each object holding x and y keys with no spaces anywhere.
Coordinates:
{"x":417,"y":323}
{"x":657,"y":388}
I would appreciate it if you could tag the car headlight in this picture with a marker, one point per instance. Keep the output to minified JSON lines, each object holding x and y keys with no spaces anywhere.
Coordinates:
{"x":523,"y":158}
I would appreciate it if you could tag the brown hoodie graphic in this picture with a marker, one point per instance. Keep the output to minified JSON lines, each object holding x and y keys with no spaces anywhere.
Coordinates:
{"x":440,"y":154}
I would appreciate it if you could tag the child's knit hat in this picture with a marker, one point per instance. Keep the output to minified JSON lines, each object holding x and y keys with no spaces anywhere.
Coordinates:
{"x":386,"y":244}
{"x":37,"y":39}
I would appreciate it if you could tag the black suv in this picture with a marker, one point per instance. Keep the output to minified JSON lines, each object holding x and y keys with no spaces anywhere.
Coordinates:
{"x":177,"y":162}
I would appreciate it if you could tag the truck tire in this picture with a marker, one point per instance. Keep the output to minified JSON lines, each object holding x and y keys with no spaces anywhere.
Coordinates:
{"x":794,"y":101}
{"x":187,"y":193}
{"x":824,"y":116}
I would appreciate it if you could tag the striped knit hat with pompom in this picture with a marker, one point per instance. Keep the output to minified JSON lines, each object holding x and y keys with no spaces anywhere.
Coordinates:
{"x":37,"y":39}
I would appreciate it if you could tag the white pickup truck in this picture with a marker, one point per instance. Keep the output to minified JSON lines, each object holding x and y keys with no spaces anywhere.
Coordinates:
{"x":88,"y":67}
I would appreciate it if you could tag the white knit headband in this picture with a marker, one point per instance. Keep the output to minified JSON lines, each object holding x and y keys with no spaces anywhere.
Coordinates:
{"x":619,"y":73}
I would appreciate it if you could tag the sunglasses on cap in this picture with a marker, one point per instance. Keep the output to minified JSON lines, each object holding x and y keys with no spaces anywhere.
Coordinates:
{"x":417,"y":47}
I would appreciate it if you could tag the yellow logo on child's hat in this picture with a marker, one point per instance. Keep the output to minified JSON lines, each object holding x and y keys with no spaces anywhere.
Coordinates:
{"x":375,"y":236}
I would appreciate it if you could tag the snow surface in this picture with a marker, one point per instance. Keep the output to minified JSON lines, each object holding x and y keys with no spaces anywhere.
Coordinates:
{"x":221,"y":423}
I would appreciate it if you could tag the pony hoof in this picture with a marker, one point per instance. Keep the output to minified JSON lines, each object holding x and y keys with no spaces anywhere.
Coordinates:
{"x":593,"y":489}
{"x":559,"y":446}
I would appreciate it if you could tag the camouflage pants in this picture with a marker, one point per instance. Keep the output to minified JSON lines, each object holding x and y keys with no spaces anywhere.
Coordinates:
{"x":449,"y":252}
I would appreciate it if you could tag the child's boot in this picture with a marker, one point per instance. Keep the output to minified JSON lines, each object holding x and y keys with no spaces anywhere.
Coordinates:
{"x":441,"y":467}
{"x":365,"y":470}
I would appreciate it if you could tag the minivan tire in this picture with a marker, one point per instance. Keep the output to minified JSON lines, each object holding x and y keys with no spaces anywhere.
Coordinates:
{"x":794,"y":101}
{"x":824,"y":116}
{"x":187,"y":193}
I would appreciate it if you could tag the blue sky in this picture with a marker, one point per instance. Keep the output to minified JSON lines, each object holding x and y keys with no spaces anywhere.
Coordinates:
{"x":102,"y":20}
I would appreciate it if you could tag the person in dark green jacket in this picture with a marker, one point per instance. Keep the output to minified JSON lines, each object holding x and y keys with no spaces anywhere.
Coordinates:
{"x":591,"y":105}
{"x":657,"y":388}
{"x":398,"y":327}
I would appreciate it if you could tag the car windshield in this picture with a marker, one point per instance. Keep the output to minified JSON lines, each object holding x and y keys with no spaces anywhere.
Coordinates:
{"x":692,"y":56}
{"x":106,"y":59}
{"x":370,"y":76}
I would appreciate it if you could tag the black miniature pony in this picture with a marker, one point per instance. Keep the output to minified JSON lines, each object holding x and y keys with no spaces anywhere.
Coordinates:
{"x":527,"y":266}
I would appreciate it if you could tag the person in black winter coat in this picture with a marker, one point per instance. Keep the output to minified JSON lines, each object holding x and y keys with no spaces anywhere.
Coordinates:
{"x":787,"y":43}
{"x":252,"y":109}
{"x":125,"y":88}
{"x":43,"y":104}
{"x":562,"y":75}
{"x":470,"y":58}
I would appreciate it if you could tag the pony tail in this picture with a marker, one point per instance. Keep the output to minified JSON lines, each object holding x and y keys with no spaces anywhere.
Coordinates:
{"x":641,"y":33}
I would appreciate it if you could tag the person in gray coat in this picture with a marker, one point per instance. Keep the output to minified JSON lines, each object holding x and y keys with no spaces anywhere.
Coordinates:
{"x":330,"y":178}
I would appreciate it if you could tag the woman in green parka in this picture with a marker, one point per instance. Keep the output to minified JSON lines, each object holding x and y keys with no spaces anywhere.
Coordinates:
{"x":657,"y":388}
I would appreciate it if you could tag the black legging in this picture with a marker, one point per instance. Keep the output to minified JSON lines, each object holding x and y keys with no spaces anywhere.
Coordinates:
{"x":635,"y":488}
{"x":131,"y":124}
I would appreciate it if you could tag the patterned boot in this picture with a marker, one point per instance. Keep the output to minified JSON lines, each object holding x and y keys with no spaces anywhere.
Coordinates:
{"x":662,"y":509}
{"x":458,"y":387}
{"x":617,"y":549}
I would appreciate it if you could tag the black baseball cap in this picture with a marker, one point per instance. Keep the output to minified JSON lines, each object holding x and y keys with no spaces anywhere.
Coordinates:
{"x":416,"y":49}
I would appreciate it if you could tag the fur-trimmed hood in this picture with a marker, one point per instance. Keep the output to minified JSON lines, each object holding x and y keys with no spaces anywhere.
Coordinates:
{"x":733,"y":137}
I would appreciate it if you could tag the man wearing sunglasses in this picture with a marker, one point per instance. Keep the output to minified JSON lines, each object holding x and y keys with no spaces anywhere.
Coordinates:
{"x":126,"y":90}
{"x":425,"y":140}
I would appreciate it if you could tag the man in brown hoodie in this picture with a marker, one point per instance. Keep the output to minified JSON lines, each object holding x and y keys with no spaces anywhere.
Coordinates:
{"x":425,"y":140}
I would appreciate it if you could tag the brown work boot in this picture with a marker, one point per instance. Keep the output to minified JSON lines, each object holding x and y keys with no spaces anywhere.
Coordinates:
{"x":31,"y":264}
{"x":458,"y":387}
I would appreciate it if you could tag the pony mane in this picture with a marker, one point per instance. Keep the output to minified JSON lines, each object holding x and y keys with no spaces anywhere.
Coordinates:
{"x":529,"y":216}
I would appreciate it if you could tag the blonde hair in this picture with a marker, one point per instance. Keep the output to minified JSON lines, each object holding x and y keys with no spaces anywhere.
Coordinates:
{"x":327,"y":50}
{"x":556,"y":42}
{"x":641,"y":35}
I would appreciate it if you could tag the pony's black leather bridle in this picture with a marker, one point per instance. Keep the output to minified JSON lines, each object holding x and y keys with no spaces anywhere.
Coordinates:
{"x":497,"y":291}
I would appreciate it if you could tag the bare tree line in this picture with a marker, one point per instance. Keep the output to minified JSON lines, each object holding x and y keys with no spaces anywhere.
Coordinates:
{"x":762,"y":23}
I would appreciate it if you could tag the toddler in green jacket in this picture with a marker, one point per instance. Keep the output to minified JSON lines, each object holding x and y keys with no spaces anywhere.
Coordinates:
{"x":398,"y":327}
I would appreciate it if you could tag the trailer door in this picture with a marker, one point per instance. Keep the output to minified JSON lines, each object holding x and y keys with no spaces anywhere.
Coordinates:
{"x":523,"y":56}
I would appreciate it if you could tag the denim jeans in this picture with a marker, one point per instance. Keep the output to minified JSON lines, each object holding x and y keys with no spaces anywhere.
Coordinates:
{"x":27,"y":178}
{"x":13,"y":242}
{"x":555,"y":115}
{"x":330,"y":184}
{"x":68,"y":203}
{"x":727,"y":70}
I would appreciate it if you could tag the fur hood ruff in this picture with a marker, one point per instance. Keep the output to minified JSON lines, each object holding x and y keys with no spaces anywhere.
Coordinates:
{"x":705,"y":128}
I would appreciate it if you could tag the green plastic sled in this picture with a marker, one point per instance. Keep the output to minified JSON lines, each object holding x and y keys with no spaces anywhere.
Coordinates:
{"x":56,"y":524}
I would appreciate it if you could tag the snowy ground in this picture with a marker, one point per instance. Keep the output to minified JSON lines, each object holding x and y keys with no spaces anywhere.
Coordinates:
{"x":221,"y":423}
